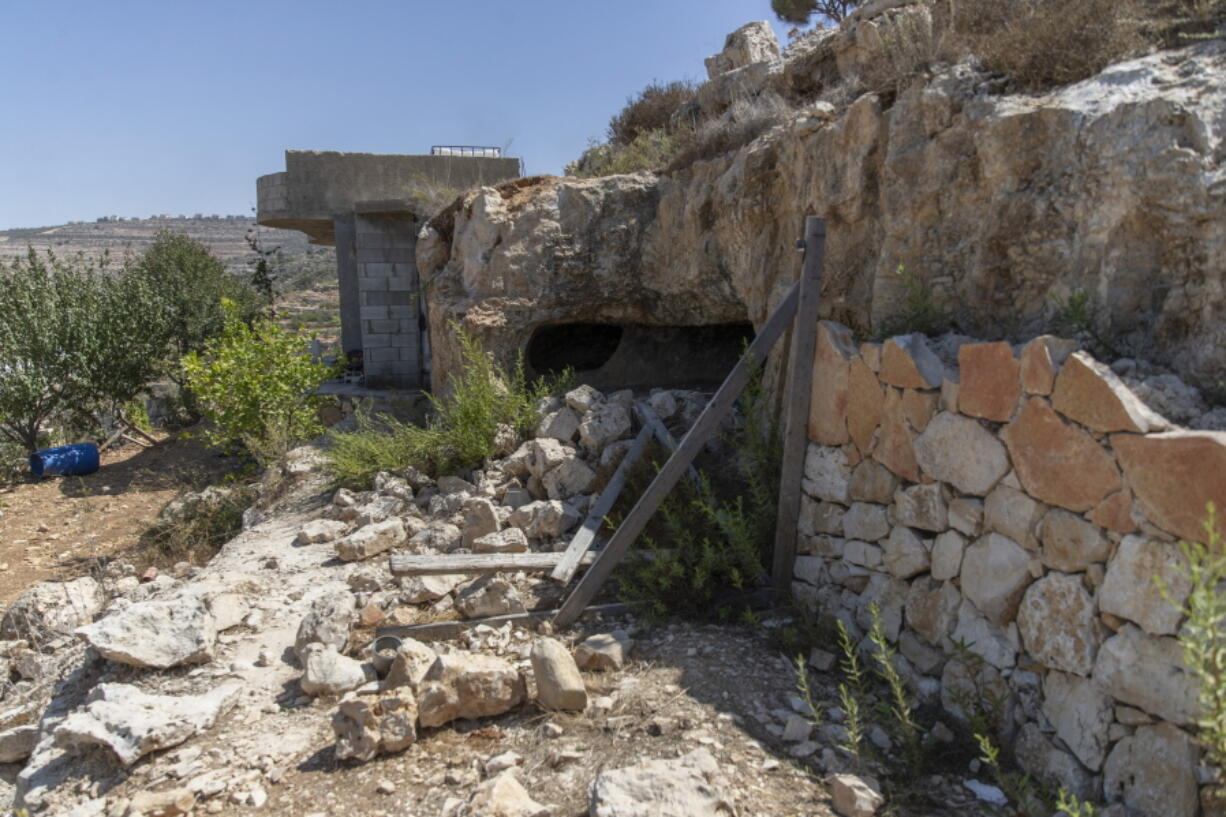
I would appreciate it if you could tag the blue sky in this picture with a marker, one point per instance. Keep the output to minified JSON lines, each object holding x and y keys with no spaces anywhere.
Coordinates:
{"x":134,"y":107}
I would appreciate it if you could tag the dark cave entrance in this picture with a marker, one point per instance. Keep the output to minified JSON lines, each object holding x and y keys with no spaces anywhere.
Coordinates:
{"x":633,"y":355}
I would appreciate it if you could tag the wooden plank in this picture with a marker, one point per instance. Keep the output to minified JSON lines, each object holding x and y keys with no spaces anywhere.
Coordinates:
{"x":433,"y":565}
{"x":702,"y":430}
{"x":582,"y":541}
{"x":404,"y":564}
{"x":797,"y":401}
{"x":443,"y":630}
{"x":648,"y":417}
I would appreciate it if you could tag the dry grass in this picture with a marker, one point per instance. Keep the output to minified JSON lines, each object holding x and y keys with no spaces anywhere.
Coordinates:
{"x":651,"y":110}
{"x":744,"y":121}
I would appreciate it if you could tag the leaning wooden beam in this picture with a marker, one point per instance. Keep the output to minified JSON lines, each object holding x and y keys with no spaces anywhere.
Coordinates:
{"x":707,"y":424}
{"x":443,"y":630}
{"x":411,"y":565}
{"x":582,"y":541}
{"x":648,"y":417}
{"x":797,"y":402}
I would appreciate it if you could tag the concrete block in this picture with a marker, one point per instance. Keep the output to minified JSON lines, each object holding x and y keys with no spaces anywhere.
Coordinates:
{"x":381,"y":268}
{"x":388,"y":327}
{"x":366,"y":284}
{"x":374,"y":313}
{"x":371,"y":340}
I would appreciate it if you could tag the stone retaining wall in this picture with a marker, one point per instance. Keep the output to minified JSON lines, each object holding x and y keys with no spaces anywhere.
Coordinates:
{"x":1023,"y":502}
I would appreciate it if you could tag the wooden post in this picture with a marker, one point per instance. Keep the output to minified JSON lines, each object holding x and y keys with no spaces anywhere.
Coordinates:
{"x":797,"y":401}
{"x":702,"y":430}
{"x":583,"y":538}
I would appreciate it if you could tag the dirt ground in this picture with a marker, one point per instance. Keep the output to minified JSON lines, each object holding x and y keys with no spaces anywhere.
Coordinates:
{"x":57,"y":528}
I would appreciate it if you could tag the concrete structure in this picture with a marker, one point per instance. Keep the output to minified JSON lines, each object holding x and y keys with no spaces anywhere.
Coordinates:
{"x":363,"y":204}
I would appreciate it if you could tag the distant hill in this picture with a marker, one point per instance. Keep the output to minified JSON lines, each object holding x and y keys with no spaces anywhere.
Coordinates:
{"x":301,"y":266}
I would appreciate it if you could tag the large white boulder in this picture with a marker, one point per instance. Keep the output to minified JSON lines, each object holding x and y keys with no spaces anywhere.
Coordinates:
{"x":156,"y":634}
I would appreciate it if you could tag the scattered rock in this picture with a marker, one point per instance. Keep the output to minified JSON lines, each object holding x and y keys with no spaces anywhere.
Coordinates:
{"x":854,"y":796}
{"x":157,"y":634}
{"x":365,"y":728}
{"x":50,"y":608}
{"x":558,"y":682}
{"x":504,"y":796}
{"x":327,"y":621}
{"x":688,"y":786}
{"x":488,"y":597}
{"x":604,"y":651}
{"x":420,"y":589}
{"x":327,"y":672}
{"x":17,"y":743}
{"x":460,"y":685}
{"x":371,"y":540}
{"x":480,"y":519}
{"x":168,"y":803}
{"x":511,"y":540}
{"x":321,"y":530}
{"x":132,"y":723}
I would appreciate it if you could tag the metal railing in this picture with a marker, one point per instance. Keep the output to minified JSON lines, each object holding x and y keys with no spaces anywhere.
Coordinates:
{"x":476,"y":151}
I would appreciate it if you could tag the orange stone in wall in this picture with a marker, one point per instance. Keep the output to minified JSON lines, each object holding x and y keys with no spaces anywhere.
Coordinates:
{"x":990,"y":383}
{"x":919,"y":407}
{"x":1037,"y":367}
{"x":1115,"y":512}
{"x":1174,"y":475}
{"x":830,"y":392}
{"x":896,"y":443}
{"x":1091,"y":394}
{"x":1057,"y":462}
{"x":865,"y":402}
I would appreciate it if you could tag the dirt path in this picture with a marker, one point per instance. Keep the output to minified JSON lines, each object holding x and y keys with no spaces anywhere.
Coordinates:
{"x":59,"y":528}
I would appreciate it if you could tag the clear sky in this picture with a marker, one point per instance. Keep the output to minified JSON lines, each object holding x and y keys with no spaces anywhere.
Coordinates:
{"x":135,"y":107}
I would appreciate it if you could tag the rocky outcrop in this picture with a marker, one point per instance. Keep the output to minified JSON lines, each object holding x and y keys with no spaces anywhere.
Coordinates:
{"x":992,"y":203}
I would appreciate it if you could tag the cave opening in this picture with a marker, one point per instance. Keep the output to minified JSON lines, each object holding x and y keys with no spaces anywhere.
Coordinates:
{"x":618,"y":356}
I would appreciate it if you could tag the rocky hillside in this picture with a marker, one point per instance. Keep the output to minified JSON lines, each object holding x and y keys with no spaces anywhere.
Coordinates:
{"x":999,"y":208}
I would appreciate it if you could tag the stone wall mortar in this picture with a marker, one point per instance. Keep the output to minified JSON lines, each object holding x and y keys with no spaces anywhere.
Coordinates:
{"x":1021,"y":502}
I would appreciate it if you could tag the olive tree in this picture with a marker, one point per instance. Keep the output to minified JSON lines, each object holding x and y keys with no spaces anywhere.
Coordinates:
{"x":799,"y":11}
{"x":74,"y":335}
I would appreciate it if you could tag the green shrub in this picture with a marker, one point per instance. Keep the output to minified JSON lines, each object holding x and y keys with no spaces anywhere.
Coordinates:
{"x":920,"y":311}
{"x":649,"y":151}
{"x":255,"y":385}
{"x":651,"y":110}
{"x":75,"y":335}
{"x":717,"y":542}
{"x":1203,"y":637}
{"x":744,"y":121}
{"x":460,"y":434}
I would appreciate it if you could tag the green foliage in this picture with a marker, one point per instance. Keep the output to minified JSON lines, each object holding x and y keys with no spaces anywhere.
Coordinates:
{"x":649,"y":151}
{"x":484,"y":396}
{"x":799,"y":12}
{"x":919,"y":313}
{"x":190,"y":284}
{"x":429,"y":195}
{"x":1021,"y":790}
{"x":74,"y":335}
{"x":717,"y":542}
{"x":650,"y":111}
{"x":1078,"y":316}
{"x":1070,"y":805}
{"x":262,"y":266}
{"x":1203,"y":636}
{"x":899,"y":715}
{"x":852,"y":691}
{"x":254,"y":383}
{"x":806,"y":692}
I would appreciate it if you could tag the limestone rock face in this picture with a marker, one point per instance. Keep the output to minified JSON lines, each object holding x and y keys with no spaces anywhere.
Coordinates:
{"x":1153,"y":772}
{"x":460,"y":685}
{"x":157,"y":634}
{"x":749,"y":44}
{"x":51,"y":608}
{"x":1057,"y":623}
{"x":688,"y":786}
{"x":1131,"y":589}
{"x":700,"y":245}
{"x":132,"y":723}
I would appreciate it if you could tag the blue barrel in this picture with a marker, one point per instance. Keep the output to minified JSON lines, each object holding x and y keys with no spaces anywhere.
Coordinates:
{"x":65,"y":461}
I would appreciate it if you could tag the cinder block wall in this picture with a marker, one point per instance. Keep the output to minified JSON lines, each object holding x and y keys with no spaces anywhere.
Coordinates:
{"x":388,"y":297}
{"x":1021,"y":501}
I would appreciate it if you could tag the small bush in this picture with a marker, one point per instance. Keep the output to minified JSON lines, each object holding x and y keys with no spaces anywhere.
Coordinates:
{"x":1043,"y":44}
{"x":744,"y":121}
{"x":650,"y":151}
{"x":719,"y":542}
{"x":202,"y":524}
{"x":484,"y":397}
{"x":651,"y":110}
{"x":429,"y":195}
{"x":919,"y":312}
{"x":255,"y":385}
